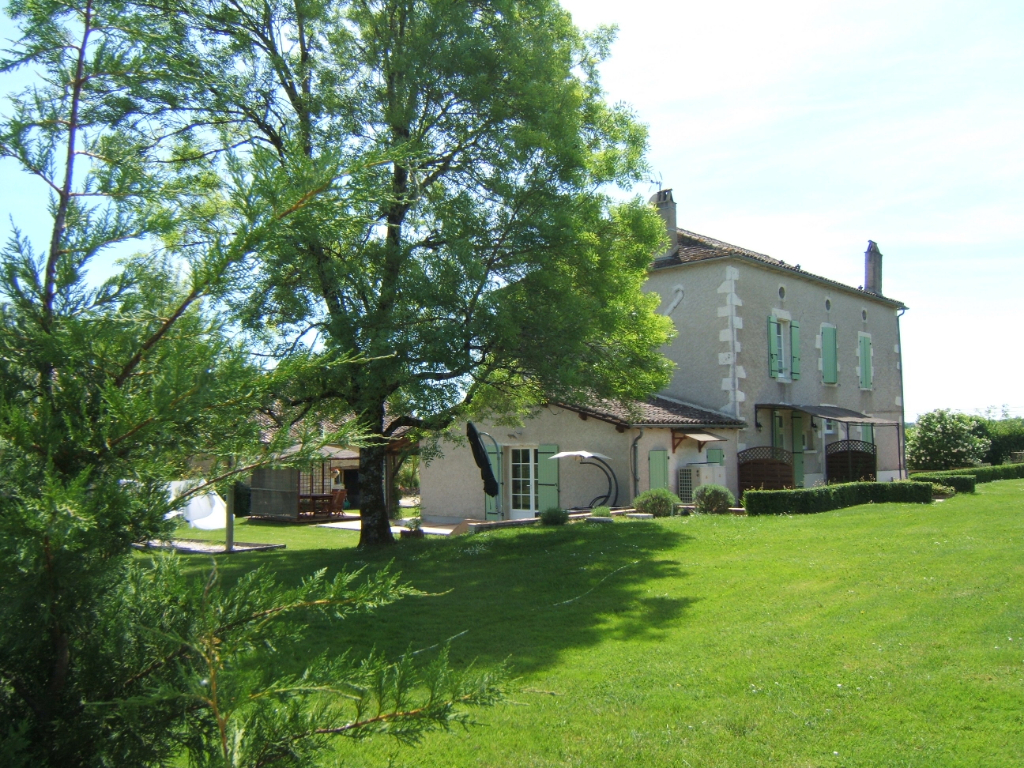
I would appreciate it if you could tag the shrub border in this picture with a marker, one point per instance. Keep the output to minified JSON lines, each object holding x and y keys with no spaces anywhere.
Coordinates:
{"x":805,"y":501}
{"x":982,"y":474}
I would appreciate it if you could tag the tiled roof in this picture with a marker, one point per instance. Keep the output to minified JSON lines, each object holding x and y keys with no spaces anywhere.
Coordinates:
{"x":656,"y":411}
{"x":693,"y":247}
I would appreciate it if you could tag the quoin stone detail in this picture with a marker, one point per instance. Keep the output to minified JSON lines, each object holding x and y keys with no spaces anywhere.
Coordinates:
{"x":729,"y":336}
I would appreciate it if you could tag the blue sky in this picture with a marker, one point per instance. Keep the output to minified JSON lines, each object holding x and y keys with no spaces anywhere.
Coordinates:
{"x":803,"y":129}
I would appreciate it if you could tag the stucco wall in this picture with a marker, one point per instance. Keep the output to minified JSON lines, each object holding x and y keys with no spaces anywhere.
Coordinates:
{"x":721,"y":309}
{"x":451,"y":489}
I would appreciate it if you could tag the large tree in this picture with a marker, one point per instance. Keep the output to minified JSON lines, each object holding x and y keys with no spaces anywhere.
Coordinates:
{"x":459,"y":246}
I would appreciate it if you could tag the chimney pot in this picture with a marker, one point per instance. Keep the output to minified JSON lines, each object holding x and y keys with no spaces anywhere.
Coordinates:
{"x":873,"y":269}
{"x":666,"y":207}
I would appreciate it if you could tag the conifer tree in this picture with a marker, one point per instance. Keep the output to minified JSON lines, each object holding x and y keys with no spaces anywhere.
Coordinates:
{"x":109,"y":391}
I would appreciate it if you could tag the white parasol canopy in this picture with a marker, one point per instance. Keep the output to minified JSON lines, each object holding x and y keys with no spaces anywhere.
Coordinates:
{"x":580,"y":454}
{"x":207,"y":511}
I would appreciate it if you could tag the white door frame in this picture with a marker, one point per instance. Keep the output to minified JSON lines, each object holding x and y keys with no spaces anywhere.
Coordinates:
{"x":516,"y":484}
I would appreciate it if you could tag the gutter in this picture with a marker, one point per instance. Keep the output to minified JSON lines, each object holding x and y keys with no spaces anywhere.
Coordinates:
{"x":901,"y":435}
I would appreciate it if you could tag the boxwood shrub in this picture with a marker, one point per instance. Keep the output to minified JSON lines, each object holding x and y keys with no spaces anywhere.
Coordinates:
{"x":803,"y":501}
{"x":984,"y":474}
{"x":959,"y":483}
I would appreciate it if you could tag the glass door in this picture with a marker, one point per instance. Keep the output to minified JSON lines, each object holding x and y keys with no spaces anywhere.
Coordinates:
{"x":523,"y":468}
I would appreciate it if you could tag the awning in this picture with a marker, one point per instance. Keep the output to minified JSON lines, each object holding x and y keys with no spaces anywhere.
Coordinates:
{"x":678,"y":435}
{"x":832,"y":412}
{"x":701,"y":437}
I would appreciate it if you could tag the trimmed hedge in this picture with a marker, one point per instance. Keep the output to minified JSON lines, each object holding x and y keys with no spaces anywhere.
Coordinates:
{"x":805,"y":501}
{"x":984,"y":474}
{"x":959,"y":483}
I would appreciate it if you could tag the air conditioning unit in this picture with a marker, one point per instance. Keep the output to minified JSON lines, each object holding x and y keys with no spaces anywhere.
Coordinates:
{"x":693,"y":475}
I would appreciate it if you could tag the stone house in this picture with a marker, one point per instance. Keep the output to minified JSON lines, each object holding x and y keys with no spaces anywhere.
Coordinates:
{"x":783,"y":379}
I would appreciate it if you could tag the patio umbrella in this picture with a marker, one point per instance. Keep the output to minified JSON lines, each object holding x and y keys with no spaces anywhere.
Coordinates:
{"x":600,"y":461}
{"x":480,"y":457}
{"x":207,"y":511}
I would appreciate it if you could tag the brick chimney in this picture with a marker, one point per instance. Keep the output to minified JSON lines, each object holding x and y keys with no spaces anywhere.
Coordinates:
{"x":666,"y":207}
{"x":873,"y":269}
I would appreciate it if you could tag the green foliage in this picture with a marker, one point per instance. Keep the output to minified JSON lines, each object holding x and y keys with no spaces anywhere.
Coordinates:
{"x":660,"y":502}
{"x":108,"y":392}
{"x":453,"y":234}
{"x":601,"y":511}
{"x":554,"y":516}
{"x":799,"y":501}
{"x":408,"y":474}
{"x":711,"y":499}
{"x":959,"y":483}
{"x":1005,"y":434}
{"x":944,"y":439}
{"x":981,"y":474}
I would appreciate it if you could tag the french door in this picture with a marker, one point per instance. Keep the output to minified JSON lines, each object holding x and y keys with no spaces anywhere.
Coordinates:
{"x":523,"y":468}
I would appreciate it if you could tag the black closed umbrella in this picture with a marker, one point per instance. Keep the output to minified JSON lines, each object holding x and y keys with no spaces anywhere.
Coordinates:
{"x":480,"y":457}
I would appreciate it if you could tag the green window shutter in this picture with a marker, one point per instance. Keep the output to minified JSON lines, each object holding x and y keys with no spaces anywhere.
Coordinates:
{"x":716,"y":456}
{"x":547,"y":478}
{"x":867,"y":433}
{"x":829,"y":356}
{"x":797,"y":422}
{"x":794,"y":345}
{"x":491,"y":503}
{"x":774,"y":363}
{"x":658,"y":463}
{"x":865,"y":362}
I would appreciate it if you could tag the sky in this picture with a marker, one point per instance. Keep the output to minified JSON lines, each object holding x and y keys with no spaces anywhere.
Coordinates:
{"x":802,"y":129}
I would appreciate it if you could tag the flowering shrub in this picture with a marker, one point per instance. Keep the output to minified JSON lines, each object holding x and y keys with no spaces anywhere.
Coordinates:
{"x":944,"y":439}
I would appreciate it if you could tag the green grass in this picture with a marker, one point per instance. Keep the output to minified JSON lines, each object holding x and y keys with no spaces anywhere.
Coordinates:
{"x":873,"y":636}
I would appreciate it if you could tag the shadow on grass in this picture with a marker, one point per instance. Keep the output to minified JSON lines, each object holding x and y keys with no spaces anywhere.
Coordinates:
{"x":528,"y":595}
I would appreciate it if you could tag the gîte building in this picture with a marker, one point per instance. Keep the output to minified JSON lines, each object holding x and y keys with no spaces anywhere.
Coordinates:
{"x":783,"y":379}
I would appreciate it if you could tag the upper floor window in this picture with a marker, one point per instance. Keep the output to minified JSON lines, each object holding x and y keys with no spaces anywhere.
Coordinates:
{"x":783,"y":348}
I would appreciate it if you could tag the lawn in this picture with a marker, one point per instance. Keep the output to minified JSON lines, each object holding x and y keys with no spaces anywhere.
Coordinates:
{"x":882,"y":635}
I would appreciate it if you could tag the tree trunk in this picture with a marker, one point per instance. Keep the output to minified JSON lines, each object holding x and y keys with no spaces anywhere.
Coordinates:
{"x":375,"y":528}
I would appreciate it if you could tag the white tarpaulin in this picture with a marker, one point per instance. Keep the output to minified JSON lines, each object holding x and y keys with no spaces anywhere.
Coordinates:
{"x":204,"y":510}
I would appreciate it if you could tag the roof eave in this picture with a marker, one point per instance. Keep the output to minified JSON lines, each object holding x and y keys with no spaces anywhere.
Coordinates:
{"x":688,"y":425}
{"x":894,"y":303}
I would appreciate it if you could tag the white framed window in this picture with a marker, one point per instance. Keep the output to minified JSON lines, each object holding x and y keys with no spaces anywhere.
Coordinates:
{"x":830,"y":427}
{"x":783,"y":346}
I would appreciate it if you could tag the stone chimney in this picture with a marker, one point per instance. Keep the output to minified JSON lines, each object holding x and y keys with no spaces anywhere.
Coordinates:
{"x":666,"y":207}
{"x":873,"y":269}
